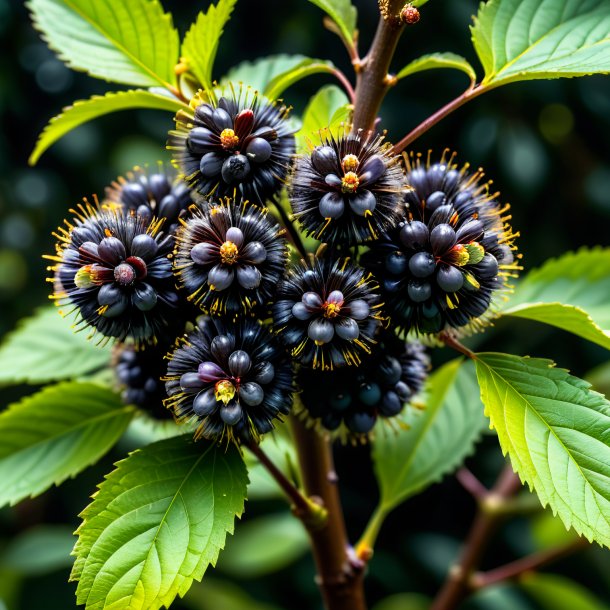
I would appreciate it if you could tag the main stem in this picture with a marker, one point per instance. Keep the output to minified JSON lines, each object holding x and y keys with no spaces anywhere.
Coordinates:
{"x":340,"y":573}
{"x":373,"y":79}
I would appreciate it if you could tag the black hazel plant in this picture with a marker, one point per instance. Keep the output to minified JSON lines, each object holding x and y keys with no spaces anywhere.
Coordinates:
{"x":349,"y":189}
{"x":230,"y":257}
{"x":350,"y":401}
{"x":113,"y":269}
{"x":442,"y":265}
{"x":232,"y":381}
{"x":158,"y":194}
{"x":242,"y":143}
{"x":326,"y":313}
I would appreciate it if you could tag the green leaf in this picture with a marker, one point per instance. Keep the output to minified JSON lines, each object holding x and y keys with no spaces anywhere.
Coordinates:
{"x":404,"y":601}
{"x":45,"y":348}
{"x":156,"y":523}
{"x":264,"y":545}
{"x":259,"y":73}
{"x":305,"y":68}
{"x":85,"y":110}
{"x":200,"y":44}
{"x":530,"y":39}
{"x":343,"y":13}
{"x":438,"y":60}
{"x":553,"y":592}
{"x":556,"y":431}
{"x":55,"y":434}
{"x":570,"y":292}
{"x":437,"y":439}
{"x":134,"y":43}
{"x":328,"y":108}
{"x":39,"y":550}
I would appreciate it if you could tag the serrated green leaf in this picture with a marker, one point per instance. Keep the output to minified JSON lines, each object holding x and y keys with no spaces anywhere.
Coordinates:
{"x":200,"y":44}
{"x":259,"y":73}
{"x":156,"y":523}
{"x":328,"y":108}
{"x":343,"y":13}
{"x":305,"y":68}
{"x":134,"y":43}
{"x":264,"y":545}
{"x":570,"y":292}
{"x":45,"y":348}
{"x":83,"y":111}
{"x":553,"y":592}
{"x":54,"y":434}
{"x":437,"y":439}
{"x":530,"y":39}
{"x":438,"y":60}
{"x":556,"y":431}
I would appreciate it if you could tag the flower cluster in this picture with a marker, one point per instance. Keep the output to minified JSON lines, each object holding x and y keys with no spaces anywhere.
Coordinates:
{"x":349,"y":189}
{"x":407,"y":246}
{"x":440,"y":267}
{"x":326,"y":313}
{"x":159,"y":194}
{"x":242,"y":143}
{"x":349,"y":401}
{"x":232,"y":380}
{"x":230,"y":257}
{"x":113,"y":268}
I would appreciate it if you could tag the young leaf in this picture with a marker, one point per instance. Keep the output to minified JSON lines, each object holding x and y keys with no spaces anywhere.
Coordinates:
{"x":258,"y":73}
{"x":438,"y":60}
{"x":264,"y":545}
{"x":305,"y":68}
{"x":556,"y":431}
{"x":200,"y":44}
{"x":85,"y":110}
{"x":328,"y":108}
{"x":343,"y":13}
{"x":570,"y":292}
{"x":156,"y":523}
{"x":436,"y":440}
{"x":134,"y":43}
{"x":45,"y":348}
{"x":54,"y":434}
{"x":529,"y":39}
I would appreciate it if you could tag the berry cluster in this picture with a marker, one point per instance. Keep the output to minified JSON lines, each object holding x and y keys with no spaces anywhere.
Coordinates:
{"x":408,"y":246}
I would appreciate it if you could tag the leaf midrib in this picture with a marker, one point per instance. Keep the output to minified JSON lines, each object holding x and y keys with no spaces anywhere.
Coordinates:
{"x":595,"y":493}
{"x":137,"y":62}
{"x":161,"y":523}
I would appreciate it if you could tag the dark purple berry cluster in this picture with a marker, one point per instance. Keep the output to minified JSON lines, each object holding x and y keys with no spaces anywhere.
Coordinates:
{"x":241,"y":143}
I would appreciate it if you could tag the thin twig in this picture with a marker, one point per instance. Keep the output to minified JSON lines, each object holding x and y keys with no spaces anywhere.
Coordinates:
{"x":451,"y":341}
{"x":487,"y":520}
{"x":469,"y":94}
{"x":293,"y":234}
{"x":471,"y":484}
{"x":303,"y":507}
{"x":346,"y":84}
{"x":529,"y":563}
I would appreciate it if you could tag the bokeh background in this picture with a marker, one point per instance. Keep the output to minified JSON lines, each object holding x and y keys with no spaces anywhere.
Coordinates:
{"x":547,"y":147}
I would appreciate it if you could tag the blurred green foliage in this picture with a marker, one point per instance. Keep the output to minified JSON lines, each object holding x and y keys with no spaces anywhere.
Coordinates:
{"x":545,"y":144}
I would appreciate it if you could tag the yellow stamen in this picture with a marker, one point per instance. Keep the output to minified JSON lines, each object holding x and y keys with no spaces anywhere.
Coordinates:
{"x":350,"y":182}
{"x":350,"y":163}
{"x":224,"y":391}
{"x":331,"y":310}
{"x":228,"y":253}
{"x":228,"y":139}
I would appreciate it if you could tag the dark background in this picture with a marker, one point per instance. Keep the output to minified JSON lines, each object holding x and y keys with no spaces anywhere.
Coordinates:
{"x":545,"y":144}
